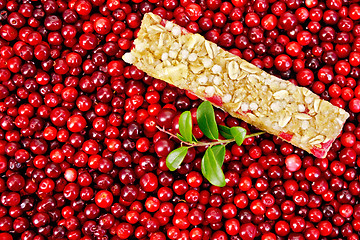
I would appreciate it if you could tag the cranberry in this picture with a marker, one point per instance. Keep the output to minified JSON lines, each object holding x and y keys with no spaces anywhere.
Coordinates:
{"x":305,"y":77}
{"x":124,"y":230}
{"x":287,"y":21}
{"x":76,"y":123}
{"x":149,"y":182}
{"x":88,"y":41}
{"x":293,"y":163}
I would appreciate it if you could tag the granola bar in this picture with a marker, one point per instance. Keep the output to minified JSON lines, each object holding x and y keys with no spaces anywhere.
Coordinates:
{"x":168,"y":52}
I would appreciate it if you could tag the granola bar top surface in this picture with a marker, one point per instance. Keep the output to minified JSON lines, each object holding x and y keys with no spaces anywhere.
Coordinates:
{"x":168,"y":52}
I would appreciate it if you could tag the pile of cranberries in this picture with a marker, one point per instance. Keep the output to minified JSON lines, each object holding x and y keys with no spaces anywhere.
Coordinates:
{"x":81,"y":156}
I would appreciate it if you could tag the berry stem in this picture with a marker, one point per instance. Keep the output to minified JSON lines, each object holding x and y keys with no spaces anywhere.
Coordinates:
{"x":204,"y":144}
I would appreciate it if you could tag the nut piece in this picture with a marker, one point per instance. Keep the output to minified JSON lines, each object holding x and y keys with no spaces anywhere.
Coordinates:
{"x":233,"y":70}
{"x":129,"y":58}
{"x":282,"y":94}
{"x":209,"y":49}
{"x":301,"y":108}
{"x":210,"y":91}
{"x":244,"y":107}
{"x":207,"y":62}
{"x":284,"y":121}
{"x":317,"y":140}
{"x":216,"y":69}
{"x":192,"y":57}
{"x":227,"y":98}
{"x":253,"y":106}
{"x":249,"y":67}
{"x":176,"y":30}
{"x":317,"y":105}
{"x":303,"y":116}
{"x":217,"y":80}
{"x":184,"y":54}
{"x":202,"y":80}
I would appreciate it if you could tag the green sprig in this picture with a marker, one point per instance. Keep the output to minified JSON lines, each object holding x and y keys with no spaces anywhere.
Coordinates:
{"x":213,"y":159}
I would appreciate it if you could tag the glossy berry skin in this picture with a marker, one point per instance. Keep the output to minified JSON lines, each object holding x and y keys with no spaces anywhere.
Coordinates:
{"x":149,"y":182}
{"x":76,"y":123}
{"x":193,"y":11}
{"x":104,"y":199}
{"x":293,"y":163}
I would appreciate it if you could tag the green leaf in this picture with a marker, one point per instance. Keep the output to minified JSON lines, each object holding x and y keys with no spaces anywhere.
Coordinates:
{"x":211,"y":165}
{"x":194,"y":139}
{"x":225,"y":132}
{"x":206,"y":120}
{"x":219,"y":152}
{"x":181,"y":137}
{"x":185,"y":126}
{"x":239,"y":134}
{"x":175,"y":158}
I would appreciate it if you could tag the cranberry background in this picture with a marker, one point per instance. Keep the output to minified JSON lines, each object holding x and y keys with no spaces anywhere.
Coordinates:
{"x":80,"y":154}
